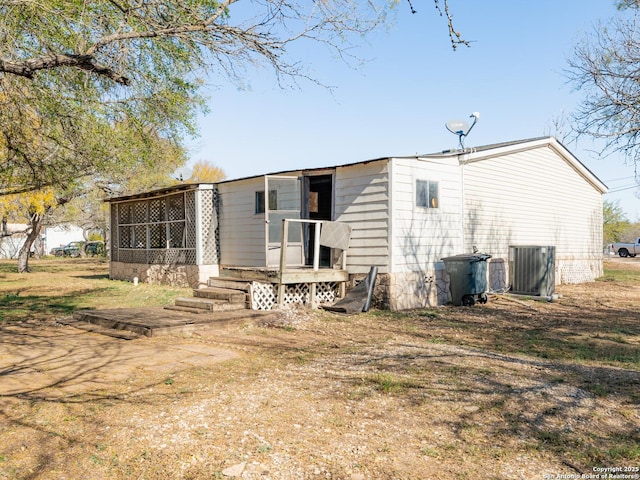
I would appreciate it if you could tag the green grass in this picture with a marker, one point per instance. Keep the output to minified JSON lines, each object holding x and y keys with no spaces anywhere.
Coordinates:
{"x":392,"y":384}
{"x":58,"y":286}
{"x":618,"y":273}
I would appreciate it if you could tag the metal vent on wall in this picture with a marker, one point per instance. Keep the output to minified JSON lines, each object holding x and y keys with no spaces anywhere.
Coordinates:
{"x":532,"y":270}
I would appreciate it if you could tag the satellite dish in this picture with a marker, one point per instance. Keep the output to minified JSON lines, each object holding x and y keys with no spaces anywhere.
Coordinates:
{"x":458,"y":127}
{"x":182,"y":174}
{"x":462,"y":128}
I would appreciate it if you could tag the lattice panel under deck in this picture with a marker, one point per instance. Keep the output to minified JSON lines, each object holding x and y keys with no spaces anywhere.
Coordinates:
{"x":297,"y":293}
{"x":326,"y":292}
{"x":264,"y":296}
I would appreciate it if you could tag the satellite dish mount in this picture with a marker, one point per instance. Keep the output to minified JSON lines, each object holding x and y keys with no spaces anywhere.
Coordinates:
{"x":182,"y":174}
{"x":462,"y":128}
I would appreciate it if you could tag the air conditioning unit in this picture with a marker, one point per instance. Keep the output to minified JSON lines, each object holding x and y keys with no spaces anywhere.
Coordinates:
{"x":532,"y":270}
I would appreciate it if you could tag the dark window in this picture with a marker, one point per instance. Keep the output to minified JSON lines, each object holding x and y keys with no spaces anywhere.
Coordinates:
{"x":427,"y":194}
{"x":273,"y":201}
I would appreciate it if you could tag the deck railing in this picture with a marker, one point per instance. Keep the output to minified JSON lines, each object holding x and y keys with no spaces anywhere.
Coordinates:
{"x":316,"y":257}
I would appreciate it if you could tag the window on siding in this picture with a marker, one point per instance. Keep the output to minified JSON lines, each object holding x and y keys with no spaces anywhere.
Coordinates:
{"x":273,"y":201}
{"x":427,"y":194}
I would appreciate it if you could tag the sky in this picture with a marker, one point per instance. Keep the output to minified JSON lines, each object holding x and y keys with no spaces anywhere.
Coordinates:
{"x":411,"y":82}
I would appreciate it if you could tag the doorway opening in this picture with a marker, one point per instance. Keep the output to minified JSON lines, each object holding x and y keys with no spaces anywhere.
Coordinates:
{"x":319,"y":206}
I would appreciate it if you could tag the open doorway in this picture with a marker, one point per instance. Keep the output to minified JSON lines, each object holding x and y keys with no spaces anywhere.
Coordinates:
{"x":319,"y":206}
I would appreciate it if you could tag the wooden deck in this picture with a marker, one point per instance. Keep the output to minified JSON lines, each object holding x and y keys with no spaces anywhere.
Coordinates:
{"x":131,"y":323}
{"x":287,"y":276}
{"x":290,"y":276}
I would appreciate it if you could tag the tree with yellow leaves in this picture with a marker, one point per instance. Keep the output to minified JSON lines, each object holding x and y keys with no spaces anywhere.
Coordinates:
{"x":32,"y":207}
{"x":205,"y":172}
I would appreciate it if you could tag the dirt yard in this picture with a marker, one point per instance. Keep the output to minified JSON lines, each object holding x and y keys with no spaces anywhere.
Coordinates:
{"x":514,"y":389}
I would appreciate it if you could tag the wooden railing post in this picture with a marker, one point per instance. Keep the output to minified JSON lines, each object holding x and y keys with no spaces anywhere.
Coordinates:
{"x":283,"y":260}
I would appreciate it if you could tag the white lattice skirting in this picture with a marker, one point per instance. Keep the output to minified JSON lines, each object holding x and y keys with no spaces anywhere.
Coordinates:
{"x":264,"y":296}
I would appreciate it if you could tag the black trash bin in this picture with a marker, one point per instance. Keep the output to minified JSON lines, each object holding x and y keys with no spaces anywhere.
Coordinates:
{"x":468,"y":278}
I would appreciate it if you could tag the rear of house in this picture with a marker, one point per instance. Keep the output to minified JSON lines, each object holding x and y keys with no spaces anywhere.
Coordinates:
{"x":491,"y":199}
{"x":535,"y":193}
{"x":405,"y":214}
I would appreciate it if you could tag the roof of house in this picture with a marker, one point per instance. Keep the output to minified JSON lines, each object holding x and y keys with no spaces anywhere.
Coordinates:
{"x":467,"y":155}
{"x":180,"y":187}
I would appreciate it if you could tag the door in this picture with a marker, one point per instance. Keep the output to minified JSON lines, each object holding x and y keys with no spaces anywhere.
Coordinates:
{"x":319,"y":206}
{"x":282,"y":199}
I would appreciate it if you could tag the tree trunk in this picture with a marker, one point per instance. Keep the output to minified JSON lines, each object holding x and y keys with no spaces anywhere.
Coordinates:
{"x":25,"y":251}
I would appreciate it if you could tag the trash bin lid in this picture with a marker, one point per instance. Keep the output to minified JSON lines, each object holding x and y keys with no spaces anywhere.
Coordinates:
{"x":467,"y":257}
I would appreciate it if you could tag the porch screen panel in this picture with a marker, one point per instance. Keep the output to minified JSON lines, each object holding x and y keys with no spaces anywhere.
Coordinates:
{"x":275,"y":227}
{"x":175,"y":207}
{"x":124,"y":213}
{"x":139,"y":212}
{"x":157,"y":235}
{"x":157,"y":211}
{"x":157,"y":230}
{"x":176,"y":235}
{"x":284,"y":203}
{"x":125,"y":232}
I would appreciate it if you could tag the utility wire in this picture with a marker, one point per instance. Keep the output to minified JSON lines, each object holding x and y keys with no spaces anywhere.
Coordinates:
{"x":621,"y":178}
{"x":624,"y":188}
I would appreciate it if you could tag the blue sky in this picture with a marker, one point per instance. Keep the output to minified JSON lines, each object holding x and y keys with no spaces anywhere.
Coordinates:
{"x":398,"y":100}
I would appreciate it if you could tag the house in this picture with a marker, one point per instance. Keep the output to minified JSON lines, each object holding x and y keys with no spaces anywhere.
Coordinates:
{"x":404,"y":214}
{"x":61,"y":235}
{"x":12,"y":238}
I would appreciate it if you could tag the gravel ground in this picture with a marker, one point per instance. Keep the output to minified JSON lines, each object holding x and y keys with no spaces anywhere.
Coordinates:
{"x":436,"y":394}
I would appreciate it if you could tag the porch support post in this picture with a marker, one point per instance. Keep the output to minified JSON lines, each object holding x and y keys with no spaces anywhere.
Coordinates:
{"x":198,"y":217}
{"x":316,"y":262}
{"x":342,"y":287}
{"x":283,"y":260}
{"x":316,"y":246}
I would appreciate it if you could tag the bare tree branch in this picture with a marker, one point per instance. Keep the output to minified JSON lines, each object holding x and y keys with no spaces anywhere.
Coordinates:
{"x":454,"y":35}
{"x":606,"y":68}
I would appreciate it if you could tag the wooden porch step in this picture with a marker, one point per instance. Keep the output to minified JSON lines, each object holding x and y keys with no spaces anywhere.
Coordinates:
{"x":248,"y":274}
{"x":96,"y":327}
{"x":207,"y":304}
{"x":113,"y":325}
{"x":178,"y":308}
{"x":216,"y":293}
{"x":231,"y":283}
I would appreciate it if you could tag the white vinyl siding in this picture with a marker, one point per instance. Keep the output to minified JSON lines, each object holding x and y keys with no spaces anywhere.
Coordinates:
{"x":534,"y":197}
{"x":422,"y":236}
{"x":242,"y":231}
{"x":362,"y":200}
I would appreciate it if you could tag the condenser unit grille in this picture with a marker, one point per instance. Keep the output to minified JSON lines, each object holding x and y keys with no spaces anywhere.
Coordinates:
{"x":532,"y":270}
